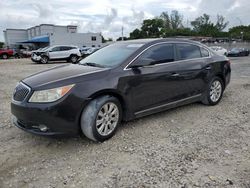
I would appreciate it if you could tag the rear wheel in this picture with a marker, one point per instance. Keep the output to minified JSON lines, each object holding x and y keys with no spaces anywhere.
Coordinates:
{"x":214,"y":92}
{"x":101,"y":118}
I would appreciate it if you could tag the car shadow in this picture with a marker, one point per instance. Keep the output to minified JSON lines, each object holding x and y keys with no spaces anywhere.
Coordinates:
{"x":63,"y":144}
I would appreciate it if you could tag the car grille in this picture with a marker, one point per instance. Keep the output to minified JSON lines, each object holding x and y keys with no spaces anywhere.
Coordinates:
{"x":21,"y":92}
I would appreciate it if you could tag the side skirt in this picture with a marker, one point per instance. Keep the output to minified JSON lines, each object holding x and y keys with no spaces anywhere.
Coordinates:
{"x":167,"y":106}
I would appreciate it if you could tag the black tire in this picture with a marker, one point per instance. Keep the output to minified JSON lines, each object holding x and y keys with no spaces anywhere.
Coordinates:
{"x":44,"y":59}
{"x":73,"y":59}
{"x":90,"y":116}
{"x":5,"y":56}
{"x":16,"y":56}
{"x":207,"y":98}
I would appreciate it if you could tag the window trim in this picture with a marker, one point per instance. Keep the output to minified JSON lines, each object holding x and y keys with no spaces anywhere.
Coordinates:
{"x":177,"y":61}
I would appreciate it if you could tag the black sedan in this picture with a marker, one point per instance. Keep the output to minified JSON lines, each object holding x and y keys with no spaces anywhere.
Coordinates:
{"x":120,"y":82}
{"x":236,"y":52}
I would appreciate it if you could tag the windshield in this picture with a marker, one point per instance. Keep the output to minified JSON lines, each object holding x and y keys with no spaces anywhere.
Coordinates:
{"x":42,"y":49}
{"x":111,"y":55}
{"x":235,"y":50}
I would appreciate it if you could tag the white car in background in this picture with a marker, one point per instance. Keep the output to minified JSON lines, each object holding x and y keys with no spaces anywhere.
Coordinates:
{"x":84,"y":50}
{"x":219,"y":50}
{"x":57,"y":53}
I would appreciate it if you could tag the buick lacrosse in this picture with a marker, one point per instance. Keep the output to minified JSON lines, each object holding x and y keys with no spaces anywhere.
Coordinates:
{"x":120,"y":82}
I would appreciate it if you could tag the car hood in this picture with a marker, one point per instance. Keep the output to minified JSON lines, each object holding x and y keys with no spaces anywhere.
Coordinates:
{"x":39,"y":51}
{"x":62,"y":75}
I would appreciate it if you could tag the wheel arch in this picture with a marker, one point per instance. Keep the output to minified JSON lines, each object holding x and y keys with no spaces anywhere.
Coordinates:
{"x":101,"y":93}
{"x":73,"y":54}
{"x":220,"y":75}
{"x":113,"y":93}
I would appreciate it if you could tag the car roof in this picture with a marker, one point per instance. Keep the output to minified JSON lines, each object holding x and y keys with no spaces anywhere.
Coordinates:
{"x":158,"y":40}
{"x":63,"y":45}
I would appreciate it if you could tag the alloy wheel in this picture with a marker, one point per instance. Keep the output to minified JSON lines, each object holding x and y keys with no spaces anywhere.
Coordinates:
{"x":107,"y":119}
{"x":73,"y":59}
{"x":44,"y":60}
{"x":215,"y":91}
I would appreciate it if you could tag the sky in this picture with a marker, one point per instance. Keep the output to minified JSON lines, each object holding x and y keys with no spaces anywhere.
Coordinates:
{"x":109,"y":16}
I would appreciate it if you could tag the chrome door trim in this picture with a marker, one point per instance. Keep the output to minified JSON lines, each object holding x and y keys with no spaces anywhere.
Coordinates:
{"x":169,"y":42}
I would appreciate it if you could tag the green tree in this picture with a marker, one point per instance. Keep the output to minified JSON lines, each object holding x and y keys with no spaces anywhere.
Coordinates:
{"x":202,"y":24}
{"x":172,"y":21}
{"x":136,"y":34}
{"x":221,"y":24}
{"x":120,"y":38}
{"x":239,"y":31}
{"x":166,"y":20}
{"x":176,"y":19}
{"x":151,"y":28}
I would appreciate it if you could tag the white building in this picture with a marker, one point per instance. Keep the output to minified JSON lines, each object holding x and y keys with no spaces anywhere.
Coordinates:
{"x":48,"y":34}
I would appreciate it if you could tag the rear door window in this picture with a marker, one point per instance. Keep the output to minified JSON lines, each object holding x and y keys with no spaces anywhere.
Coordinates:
{"x":188,"y":51}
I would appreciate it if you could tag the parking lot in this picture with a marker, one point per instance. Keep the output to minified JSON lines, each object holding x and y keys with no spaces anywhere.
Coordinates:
{"x":191,"y":146}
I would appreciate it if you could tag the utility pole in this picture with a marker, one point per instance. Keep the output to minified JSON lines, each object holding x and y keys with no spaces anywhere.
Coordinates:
{"x":122,"y":33}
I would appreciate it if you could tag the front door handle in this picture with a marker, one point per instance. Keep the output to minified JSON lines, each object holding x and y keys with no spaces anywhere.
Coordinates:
{"x":208,"y":67}
{"x":175,"y":74}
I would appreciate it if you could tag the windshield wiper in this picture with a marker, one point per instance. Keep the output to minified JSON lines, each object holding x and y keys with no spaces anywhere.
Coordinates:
{"x":92,"y":65}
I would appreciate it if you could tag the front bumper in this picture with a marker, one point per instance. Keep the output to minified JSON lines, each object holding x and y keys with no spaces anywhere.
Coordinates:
{"x":60,"y":118}
{"x":33,"y":128}
{"x":35,"y":58}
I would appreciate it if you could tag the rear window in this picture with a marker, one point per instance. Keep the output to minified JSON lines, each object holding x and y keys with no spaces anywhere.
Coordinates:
{"x":188,"y":51}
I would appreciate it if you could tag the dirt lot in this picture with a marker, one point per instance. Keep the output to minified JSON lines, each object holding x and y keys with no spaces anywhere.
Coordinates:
{"x":191,"y":146}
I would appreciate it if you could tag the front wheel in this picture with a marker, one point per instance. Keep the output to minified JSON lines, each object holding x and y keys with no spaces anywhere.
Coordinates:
{"x":214,"y":92}
{"x":73,"y":59}
{"x":5,"y":56}
{"x":44,"y":60}
{"x":101,"y":118}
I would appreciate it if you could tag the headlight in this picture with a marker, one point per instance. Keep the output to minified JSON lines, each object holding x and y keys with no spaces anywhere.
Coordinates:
{"x":50,"y":95}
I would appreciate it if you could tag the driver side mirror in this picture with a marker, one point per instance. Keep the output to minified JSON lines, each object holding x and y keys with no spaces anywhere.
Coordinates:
{"x":146,"y":62}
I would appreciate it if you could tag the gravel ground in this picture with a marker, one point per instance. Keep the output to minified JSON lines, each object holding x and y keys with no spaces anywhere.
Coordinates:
{"x":191,"y":146}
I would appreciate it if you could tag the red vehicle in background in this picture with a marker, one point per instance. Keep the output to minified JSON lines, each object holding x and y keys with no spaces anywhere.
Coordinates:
{"x":6,"y":53}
